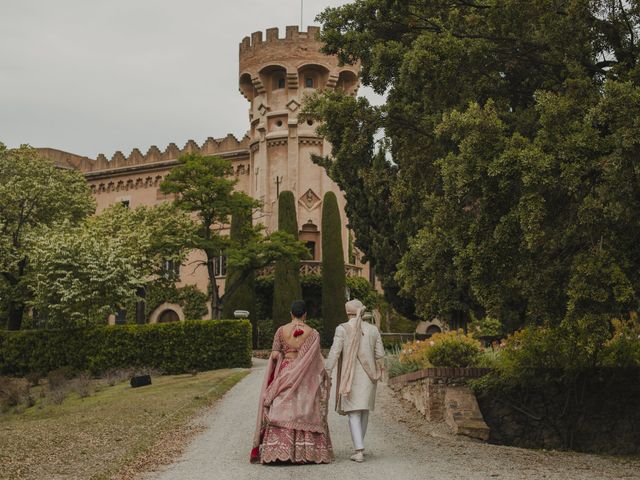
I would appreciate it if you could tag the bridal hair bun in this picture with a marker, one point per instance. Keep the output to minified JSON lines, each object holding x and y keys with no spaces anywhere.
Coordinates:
{"x":298,"y":308}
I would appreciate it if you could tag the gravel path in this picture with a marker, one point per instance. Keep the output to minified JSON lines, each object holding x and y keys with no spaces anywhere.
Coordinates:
{"x":399,"y":447}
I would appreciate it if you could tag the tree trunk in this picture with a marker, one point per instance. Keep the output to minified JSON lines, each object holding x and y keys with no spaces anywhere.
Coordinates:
{"x":16,"y":311}
{"x":213,"y":288}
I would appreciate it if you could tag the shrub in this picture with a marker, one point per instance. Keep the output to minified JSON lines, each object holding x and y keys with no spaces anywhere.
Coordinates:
{"x":489,"y":358}
{"x":333,"y":276}
{"x":485,"y":327}
{"x":82,"y":385}
{"x":286,"y":285}
{"x":178,"y":347}
{"x":415,"y":353}
{"x":114,"y":376}
{"x":623,"y":349}
{"x":55,"y":396}
{"x":396,"y":367}
{"x":453,"y":349}
{"x":450,"y":349}
{"x":266,"y":331}
{"x":33,"y":378}
{"x":58,"y":377}
{"x":13,"y":392}
{"x":360,"y":288}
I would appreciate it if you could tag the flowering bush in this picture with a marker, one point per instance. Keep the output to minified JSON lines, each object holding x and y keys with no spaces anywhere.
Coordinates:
{"x":450,"y":349}
{"x":415,"y":353}
{"x":453,"y":349}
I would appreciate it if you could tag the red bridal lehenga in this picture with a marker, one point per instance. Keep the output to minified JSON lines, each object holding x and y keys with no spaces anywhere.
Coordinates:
{"x":292,"y":413}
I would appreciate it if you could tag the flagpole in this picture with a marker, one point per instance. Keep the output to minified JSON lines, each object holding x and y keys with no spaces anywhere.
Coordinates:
{"x":301,"y":10}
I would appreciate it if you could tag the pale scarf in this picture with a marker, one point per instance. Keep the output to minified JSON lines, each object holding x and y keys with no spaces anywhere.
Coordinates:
{"x":351,"y":352}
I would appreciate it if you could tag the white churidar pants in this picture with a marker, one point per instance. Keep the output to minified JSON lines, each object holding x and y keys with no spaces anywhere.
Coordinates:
{"x":358,"y":420}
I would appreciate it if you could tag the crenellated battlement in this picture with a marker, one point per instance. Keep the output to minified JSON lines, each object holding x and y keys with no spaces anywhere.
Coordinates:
{"x":269,"y":62}
{"x":211,"y":146}
{"x":293,"y":34}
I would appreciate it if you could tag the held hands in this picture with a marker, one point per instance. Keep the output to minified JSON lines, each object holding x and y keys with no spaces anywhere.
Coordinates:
{"x":275,"y":354}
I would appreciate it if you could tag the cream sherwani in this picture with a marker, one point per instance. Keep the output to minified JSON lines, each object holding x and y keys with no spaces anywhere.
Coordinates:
{"x":363,"y":390}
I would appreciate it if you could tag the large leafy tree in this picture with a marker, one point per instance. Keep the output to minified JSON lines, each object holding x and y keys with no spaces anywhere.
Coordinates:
{"x":34,"y":194}
{"x":509,"y":143}
{"x":204,"y":186}
{"x":80,"y":274}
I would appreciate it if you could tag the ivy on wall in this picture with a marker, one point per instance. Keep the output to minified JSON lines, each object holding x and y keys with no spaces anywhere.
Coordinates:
{"x":190,"y":298}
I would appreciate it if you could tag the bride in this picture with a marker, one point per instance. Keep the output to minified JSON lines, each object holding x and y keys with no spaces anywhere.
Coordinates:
{"x":292,"y":411}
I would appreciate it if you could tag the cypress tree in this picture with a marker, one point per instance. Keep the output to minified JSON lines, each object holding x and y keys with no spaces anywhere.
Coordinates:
{"x":244,"y":297}
{"x":286,"y":284}
{"x":333,"y":276}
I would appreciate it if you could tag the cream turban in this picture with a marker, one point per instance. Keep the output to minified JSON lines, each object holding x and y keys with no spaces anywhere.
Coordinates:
{"x":353,"y":307}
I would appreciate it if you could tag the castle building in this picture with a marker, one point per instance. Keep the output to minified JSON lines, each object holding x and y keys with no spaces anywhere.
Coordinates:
{"x":275,"y":75}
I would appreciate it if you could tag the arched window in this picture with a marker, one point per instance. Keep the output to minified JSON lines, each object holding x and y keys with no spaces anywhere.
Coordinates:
{"x":168,"y":316}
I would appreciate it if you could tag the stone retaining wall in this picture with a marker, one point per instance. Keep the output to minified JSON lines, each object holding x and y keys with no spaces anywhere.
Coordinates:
{"x":441,"y":394}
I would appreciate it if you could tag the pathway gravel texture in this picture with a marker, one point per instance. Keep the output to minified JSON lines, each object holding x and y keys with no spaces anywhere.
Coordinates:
{"x":400,"y":446}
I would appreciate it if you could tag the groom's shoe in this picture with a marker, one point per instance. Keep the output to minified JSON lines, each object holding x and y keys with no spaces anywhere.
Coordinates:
{"x":358,"y":457}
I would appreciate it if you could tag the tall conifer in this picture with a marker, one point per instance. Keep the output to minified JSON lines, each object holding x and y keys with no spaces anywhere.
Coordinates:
{"x":333,"y":276}
{"x":286,"y":285}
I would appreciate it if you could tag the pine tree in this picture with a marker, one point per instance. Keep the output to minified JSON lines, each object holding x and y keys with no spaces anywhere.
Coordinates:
{"x":244,"y":297}
{"x":333,"y":277}
{"x":286,"y":285}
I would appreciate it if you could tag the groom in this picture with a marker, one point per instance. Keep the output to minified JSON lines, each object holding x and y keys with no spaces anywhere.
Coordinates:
{"x":357,"y":350}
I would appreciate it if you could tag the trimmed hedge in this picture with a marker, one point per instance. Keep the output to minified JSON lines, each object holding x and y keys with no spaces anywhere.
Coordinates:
{"x":173,"y":348}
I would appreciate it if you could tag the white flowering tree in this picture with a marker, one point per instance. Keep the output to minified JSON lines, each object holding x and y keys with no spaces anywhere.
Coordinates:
{"x":34,"y":193}
{"x":82,"y":274}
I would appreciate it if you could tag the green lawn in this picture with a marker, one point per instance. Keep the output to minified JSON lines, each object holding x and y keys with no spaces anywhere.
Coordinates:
{"x":97,"y":436}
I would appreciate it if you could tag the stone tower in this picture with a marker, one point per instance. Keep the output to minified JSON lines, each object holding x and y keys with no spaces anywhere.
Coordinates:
{"x":275,"y":76}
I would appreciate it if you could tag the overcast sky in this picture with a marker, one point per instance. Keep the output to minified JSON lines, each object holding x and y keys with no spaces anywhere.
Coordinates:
{"x":89,"y":76}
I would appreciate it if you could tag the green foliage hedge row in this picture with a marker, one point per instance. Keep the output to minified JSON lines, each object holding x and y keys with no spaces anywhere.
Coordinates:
{"x":359,"y":288}
{"x":173,"y":347}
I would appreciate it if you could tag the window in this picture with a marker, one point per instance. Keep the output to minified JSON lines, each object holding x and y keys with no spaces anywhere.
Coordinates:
{"x":220,"y":266}
{"x":308,"y":82}
{"x":311,"y":246}
{"x":168,"y":316}
{"x":125,"y":203}
{"x":171,"y":270}
{"x":280,"y":83}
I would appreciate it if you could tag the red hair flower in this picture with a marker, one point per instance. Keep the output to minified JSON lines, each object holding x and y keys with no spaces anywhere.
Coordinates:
{"x":297,"y":332}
